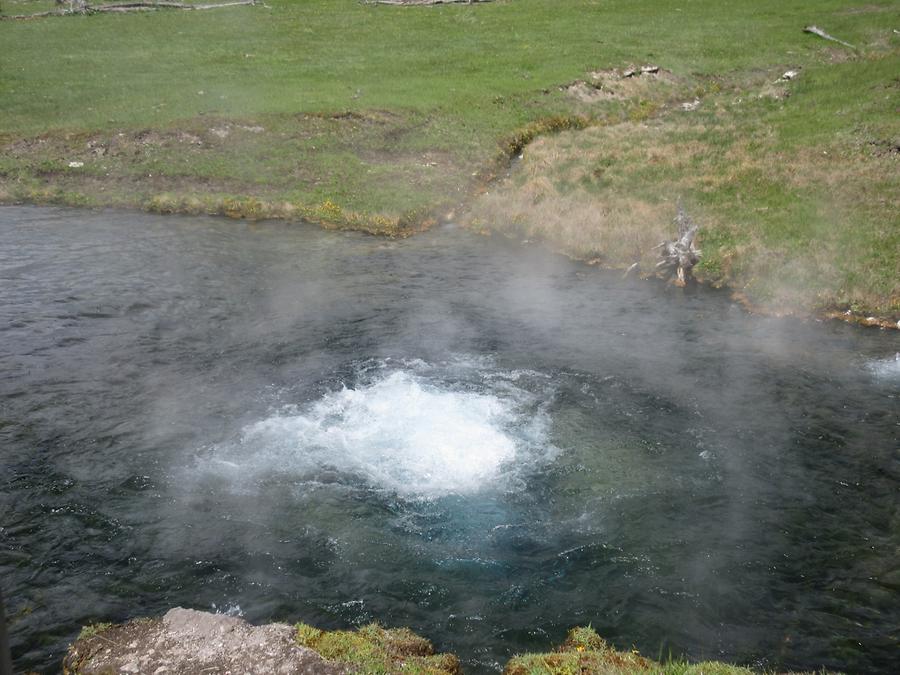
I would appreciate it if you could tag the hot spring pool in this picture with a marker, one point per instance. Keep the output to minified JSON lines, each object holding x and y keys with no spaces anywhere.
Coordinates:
{"x":477,"y":439}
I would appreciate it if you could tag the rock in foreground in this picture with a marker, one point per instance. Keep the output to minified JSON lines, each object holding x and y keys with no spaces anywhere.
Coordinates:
{"x":187,"y":641}
{"x":191,"y":642}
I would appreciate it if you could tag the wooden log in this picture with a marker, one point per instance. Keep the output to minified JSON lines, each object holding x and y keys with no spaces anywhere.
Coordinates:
{"x":127,"y":6}
{"x":84,"y":8}
{"x":815,"y":30}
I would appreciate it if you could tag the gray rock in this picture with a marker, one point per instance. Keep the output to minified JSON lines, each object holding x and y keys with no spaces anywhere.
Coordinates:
{"x":188,"y":641}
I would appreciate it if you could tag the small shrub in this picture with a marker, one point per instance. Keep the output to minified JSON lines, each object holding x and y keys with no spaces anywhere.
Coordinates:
{"x":93,"y":629}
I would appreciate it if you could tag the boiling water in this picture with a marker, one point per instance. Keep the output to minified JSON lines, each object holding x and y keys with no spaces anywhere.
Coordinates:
{"x":409,"y":434}
{"x":476,"y":439}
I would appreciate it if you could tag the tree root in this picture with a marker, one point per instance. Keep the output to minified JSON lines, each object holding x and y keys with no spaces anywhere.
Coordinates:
{"x":678,"y":256}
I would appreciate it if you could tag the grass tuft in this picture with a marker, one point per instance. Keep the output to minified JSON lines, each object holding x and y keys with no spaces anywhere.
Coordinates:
{"x":586,"y":653}
{"x":376,"y":650}
{"x":93,"y":629}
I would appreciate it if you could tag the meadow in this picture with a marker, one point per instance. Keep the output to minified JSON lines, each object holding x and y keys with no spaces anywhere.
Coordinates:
{"x":387,"y":119}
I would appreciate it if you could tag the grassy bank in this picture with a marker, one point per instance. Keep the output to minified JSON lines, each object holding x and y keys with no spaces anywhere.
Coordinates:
{"x":373,"y":649}
{"x":382,"y":118}
{"x":370,"y":650}
{"x":379,"y":651}
{"x":796,"y":186}
{"x":586,"y":652}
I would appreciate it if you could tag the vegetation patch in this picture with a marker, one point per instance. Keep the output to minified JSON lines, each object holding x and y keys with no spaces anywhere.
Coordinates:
{"x":93,"y":629}
{"x":586,"y":653}
{"x":341,"y":171}
{"x":798,"y":211}
{"x":200,"y":642}
{"x":373,"y":649}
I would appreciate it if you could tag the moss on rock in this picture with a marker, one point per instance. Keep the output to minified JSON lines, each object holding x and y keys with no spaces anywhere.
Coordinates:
{"x":586,"y":653}
{"x":187,"y":641}
{"x":374,"y":649}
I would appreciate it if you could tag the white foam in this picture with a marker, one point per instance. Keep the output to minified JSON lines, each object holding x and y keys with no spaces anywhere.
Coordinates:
{"x":404,"y":432}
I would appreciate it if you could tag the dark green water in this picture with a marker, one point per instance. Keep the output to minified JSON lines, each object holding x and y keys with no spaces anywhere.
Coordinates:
{"x":476,"y":439}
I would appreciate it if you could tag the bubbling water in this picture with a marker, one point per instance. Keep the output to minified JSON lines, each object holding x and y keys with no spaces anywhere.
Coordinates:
{"x":412,"y":434}
{"x":887,"y":369}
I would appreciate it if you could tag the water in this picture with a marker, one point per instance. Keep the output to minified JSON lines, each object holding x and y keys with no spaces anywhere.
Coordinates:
{"x":408,"y":434}
{"x":474,"y":438}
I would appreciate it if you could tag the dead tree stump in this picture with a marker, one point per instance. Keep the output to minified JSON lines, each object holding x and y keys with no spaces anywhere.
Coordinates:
{"x":678,"y":256}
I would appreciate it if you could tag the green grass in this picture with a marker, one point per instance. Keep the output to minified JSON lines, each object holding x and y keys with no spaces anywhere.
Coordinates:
{"x":375,"y":650}
{"x":330,"y":55}
{"x":454,"y":62}
{"x":586,"y":653}
{"x":93,"y":629}
{"x":796,"y":185}
{"x":381,"y":118}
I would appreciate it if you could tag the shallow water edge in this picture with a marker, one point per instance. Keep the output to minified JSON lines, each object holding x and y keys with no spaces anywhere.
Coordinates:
{"x":257,"y":211}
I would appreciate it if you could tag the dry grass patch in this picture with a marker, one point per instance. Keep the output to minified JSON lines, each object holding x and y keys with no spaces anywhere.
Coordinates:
{"x":794,"y":228}
{"x":579,"y":225}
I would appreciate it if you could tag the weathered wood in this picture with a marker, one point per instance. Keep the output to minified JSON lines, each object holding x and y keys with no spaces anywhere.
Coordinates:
{"x":81,"y":7}
{"x":815,"y":30}
{"x":170,"y":5}
{"x":678,"y":256}
{"x":633,"y":269}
